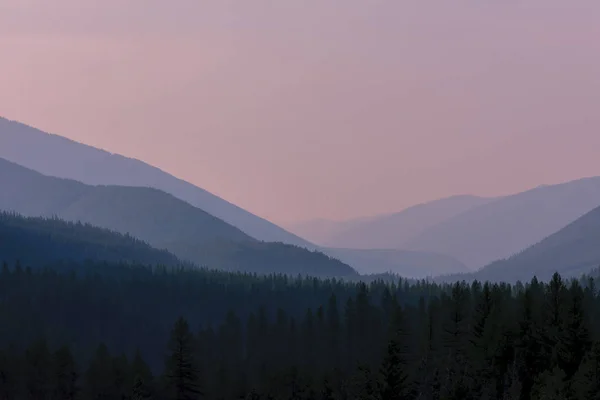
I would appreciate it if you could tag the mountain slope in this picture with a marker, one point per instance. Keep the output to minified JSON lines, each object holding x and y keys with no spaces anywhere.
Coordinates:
{"x":572,"y":251}
{"x":57,"y":156}
{"x":506,"y":226}
{"x":159,"y":218}
{"x":38,"y":242}
{"x":388,"y":231}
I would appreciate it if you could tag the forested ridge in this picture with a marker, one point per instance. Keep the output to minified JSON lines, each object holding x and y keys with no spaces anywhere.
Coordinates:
{"x":110,"y":331}
{"x":161,"y":220}
{"x":40,"y":241}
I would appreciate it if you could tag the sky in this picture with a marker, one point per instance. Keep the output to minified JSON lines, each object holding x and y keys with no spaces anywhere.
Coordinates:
{"x":308,"y":109}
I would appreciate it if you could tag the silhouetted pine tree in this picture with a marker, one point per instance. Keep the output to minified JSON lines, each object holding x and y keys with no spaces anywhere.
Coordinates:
{"x":181,"y":371}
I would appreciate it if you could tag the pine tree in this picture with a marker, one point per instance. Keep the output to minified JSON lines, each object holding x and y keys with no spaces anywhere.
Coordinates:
{"x":395,"y":383}
{"x":395,"y":380}
{"x":181,"y":373}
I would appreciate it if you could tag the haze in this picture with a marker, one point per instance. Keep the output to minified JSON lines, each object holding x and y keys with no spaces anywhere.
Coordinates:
{"x":303,"y":109}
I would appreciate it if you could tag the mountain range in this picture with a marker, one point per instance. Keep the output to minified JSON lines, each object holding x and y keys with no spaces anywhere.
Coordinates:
{"x":508,"y":225}
{"x":56,"y":156}
{"x":389,"y":231}
{"x":458,"y":234}
{"x":472,"y":230}
{"x":572,"y":251}
{"x":160,"y":219}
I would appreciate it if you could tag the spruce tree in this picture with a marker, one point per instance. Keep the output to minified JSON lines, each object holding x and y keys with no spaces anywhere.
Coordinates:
{"x":181,"y":371}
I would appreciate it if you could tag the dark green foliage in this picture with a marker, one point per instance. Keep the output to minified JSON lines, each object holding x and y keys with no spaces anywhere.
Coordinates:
{"x":39,"y":242}
{"x":274,"y":337}
{"x":181,"y":371}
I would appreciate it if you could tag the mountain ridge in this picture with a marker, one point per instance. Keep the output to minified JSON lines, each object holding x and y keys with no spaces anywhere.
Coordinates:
{"x":46,"y":152}
{"x":508,"y":225}
{"x":160,"y":219}
{"x":390,"y":230}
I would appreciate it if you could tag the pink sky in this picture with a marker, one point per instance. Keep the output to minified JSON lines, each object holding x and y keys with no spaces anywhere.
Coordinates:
{"x":302,"y":109}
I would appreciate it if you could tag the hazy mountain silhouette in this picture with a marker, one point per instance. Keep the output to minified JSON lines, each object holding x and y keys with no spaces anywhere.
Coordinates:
{"x":408,"y":264}
{"x":503,"y":227}
{"x":572,"y":252}
{"x":57,"y":156}
{"x":61,"y":157}
{"x":39,"y":242}
{"x":159,"y":218}
{"x":389,"y":231}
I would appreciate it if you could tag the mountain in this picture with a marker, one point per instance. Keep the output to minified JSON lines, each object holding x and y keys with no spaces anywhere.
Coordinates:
{"x":572,"y":252}
{"x":57,"y":156}
{"x":160,"y":219}
{"x":389,"y":231}
{"x":38,"y":242}
{"x":404,"y":263}
{"x":503,"y":227}
{"x":321,"y":231}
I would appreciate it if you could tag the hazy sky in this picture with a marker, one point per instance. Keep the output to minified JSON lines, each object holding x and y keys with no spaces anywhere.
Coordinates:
{"x":317,"y":108}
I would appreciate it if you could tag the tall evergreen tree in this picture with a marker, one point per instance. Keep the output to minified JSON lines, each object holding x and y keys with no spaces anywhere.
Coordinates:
{"x":181,"y":371}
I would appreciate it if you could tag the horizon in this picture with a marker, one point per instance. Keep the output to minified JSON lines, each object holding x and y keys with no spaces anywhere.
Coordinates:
{"x":345,"y":113}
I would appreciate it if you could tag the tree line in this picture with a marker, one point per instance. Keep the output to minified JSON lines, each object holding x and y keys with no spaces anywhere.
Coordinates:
{"x":111,"y":332}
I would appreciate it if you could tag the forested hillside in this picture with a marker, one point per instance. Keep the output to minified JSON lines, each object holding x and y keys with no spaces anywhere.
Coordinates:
{"x":111,"y":331}
{"x":38,"y":242}
{"x":162,"y":220}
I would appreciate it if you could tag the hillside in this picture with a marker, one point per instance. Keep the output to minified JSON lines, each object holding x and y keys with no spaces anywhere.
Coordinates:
{"x":54,"y":155}
{"x":160,"y":219}
{"x":572,"y":251}
{"x":390,"y":231}
{"x":503,"y":227}
{"x":37,"y":242}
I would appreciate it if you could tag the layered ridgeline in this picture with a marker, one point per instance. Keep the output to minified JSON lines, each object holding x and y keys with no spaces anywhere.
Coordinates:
{"x":54,"y":155}
{"x":504,"y":227}
{"x":572,"y":252}
{"x":390,"y":231}
{"x":160,"y":219}
{"x":40,"y":242}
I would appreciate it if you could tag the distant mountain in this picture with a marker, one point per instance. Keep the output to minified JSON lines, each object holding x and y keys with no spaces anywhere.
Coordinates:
{"x":39,"y":242}
{"x":572,"y":252}
{"x":321,"y":231}
{"x":389,"y":231}
{"x":57,"y":156}
{"x":159,"y":218}
{"x":407,"y":264}
{"x":504,"y":227}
